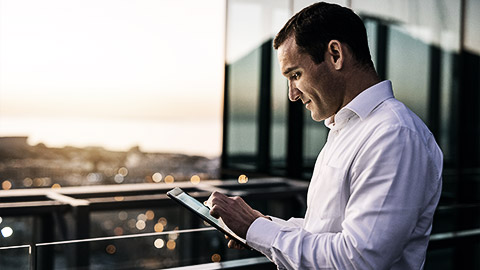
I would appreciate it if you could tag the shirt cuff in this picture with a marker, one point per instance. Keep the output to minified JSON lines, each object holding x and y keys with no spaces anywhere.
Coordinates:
{"x":261,"y":234}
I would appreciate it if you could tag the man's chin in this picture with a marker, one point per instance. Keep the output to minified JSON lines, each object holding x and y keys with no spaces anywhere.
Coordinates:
{"x":316,"y":117}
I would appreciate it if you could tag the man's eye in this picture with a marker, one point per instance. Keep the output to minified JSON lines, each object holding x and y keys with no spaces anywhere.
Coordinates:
{"x":295,"y":76}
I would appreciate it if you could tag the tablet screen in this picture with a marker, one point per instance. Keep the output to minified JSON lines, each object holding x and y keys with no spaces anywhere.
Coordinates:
{"x":202,"y":211}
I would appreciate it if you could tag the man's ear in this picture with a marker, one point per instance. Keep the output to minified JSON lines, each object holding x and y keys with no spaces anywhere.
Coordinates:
{"x":335,"y":54}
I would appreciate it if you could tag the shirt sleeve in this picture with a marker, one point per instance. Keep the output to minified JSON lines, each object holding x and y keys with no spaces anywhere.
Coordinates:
{"x":391,"y":183}
{"x":292,"y":222}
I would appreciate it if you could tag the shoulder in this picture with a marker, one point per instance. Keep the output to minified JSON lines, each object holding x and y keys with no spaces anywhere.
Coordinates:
{"x":393,"y":114}
{"x":403,"y":127}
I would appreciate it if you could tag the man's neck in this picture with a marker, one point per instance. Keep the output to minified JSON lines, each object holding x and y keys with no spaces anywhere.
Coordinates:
{"x":359,"y":80}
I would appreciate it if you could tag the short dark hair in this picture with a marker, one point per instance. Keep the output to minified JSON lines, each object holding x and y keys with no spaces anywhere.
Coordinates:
{"x":316,"y":25}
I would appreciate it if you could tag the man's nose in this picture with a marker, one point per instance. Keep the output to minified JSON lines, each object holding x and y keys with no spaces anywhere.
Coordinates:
{"x":293,"y":92}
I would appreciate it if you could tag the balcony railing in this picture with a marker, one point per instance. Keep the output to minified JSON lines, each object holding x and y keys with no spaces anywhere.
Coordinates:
{"x":138,"y":227}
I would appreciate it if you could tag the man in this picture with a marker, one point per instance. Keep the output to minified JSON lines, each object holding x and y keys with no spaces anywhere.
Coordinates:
{"x":376,"y":182}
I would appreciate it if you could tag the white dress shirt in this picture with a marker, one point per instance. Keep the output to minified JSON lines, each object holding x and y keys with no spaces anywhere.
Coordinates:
{"x":371,"y":199}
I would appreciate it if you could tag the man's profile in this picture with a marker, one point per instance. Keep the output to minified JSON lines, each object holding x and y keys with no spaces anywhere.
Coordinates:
{"x":376,"y":182}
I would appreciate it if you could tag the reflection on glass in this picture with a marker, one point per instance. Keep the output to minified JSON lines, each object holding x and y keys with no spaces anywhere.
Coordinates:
{"x":409,"y":71}
{"x":315,"y":136}
{"x":279,"y":116}
{"x":251,"y":24}
{"x":243,"y":88}
{"x":15,"y":257}
{"x":152,"y":250}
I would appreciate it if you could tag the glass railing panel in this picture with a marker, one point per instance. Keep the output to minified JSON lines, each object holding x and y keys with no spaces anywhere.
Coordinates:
{"x":15,"y":257}
{"x":140,"y":251}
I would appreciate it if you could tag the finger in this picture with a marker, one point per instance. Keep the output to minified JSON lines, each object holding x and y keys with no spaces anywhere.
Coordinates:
{"x":219,"y":199}
{"x":213,"y":195}
{"x":216,"y":211}
{"x":234,"y":245}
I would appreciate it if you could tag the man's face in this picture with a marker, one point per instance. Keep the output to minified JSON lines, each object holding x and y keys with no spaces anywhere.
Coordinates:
{"x":316,"y":85}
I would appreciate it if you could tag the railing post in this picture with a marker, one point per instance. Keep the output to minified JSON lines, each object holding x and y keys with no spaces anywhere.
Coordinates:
{"x":82,"y":231}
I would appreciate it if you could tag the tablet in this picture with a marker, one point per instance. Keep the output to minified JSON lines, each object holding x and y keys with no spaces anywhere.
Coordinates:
{"x":180,"y":196}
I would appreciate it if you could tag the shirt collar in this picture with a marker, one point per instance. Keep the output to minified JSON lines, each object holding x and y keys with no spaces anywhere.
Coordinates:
{"x":362,"y":105}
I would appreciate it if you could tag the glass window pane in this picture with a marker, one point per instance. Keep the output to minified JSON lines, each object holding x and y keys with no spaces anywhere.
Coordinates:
{"x":15,"y":257}
{"x":407,"y":68}
{"x":167,"y":249}
{"x":251,"y":24}
{"x":279,"y":92}
{"x":314,"y":137}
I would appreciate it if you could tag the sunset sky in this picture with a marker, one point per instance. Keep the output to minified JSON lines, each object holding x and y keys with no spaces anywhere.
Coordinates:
{"x":145,"y":60}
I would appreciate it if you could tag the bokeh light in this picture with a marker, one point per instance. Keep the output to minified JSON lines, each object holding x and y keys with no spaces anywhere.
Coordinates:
{"x":6,"y":185}
{"x":122,"y":215}
{"x":28,"y":182}
{"x":159,"y":243}
{"x":108,"y":224}
{"x":118,"y":231}
{"x":123,"y":171}
{"x":142,"y":217}
{"x":111,"y":249}
{"x":132,"y":223}
{"x":158,"y":227}
{"x":162,"y":221}
{"x":169,"y":179}
{"x":216,"y":257}
{"x":195,"y":179}
{"x":242,"y":179}
{"x":157,"y":177}
{"x":171,"y":244}
{"x":150,"y":215}
{"x":118,"y":178}
{"x":56,"y":186}
{"x":140,"y":225}
{"x":173,"y":236}
{"x":7,"y":232}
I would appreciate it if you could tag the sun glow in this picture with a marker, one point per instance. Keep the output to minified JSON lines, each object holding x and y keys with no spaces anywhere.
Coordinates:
{"x":110,"y":60}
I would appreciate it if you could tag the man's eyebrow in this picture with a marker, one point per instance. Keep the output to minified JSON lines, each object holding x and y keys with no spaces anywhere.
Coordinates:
{"x":288,"y":70}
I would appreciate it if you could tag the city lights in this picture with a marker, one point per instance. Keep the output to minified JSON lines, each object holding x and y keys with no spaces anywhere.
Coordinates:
{"x":157,"y":177}
{"x":216,"y":257}
{"x":171,"y":244}
{"x":140,"y":225}
{"x":56,"y":186}
{"x":111,"y":249}
{"x":162,"y":221}
{"x":118,"y":178}
{"x":142,"y":217}
{"x":118,"y":231}
{"x":6,"y":185}
{"x":94,"y":177}
{"x":122,"y":215}
{"x":159,"y":243}
{"x":123,"y":171}
{"x":7,"y":232}
{"x":108,"y":224}
{"x":28,"y":182}
{"x":158,"y":227}
{"x":173,"y":236}
{"x":150,"y":215}
{"x":132,"y":223}
{"x":169,"y":179}
{"x":195,"y":179}
{"x":242,"y":179}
